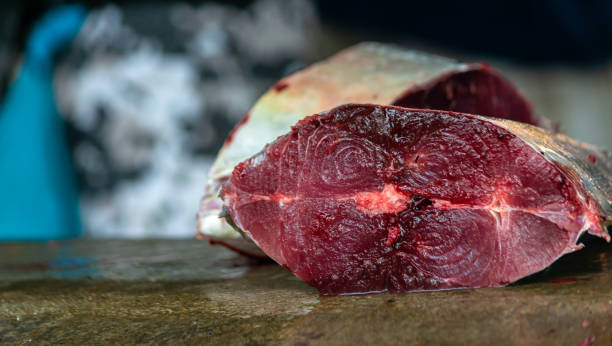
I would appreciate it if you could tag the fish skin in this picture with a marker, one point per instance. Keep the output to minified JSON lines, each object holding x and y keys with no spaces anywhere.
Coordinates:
{"x":591,"y":165}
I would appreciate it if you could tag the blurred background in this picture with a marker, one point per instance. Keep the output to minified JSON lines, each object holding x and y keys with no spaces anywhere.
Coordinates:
{"x":111,"y":113}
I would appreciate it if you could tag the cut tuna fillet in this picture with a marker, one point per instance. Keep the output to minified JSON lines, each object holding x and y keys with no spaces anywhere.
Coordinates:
{"x":368,"y":198}
{"x":368,"y":72}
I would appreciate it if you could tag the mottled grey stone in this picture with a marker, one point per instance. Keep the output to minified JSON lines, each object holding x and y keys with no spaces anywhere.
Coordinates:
{"x":184,"y":291}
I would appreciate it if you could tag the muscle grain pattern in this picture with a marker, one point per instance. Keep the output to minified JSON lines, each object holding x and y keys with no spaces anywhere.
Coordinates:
{"x":369,"y":198}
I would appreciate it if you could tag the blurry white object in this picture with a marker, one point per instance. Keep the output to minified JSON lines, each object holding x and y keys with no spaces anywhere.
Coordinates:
{"x":141,"y":108}
{"x":147,"y":97}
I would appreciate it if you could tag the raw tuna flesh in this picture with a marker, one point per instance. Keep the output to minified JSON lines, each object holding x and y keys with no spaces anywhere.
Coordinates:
{"x":368,"y":72}
{"x":368,"y":198}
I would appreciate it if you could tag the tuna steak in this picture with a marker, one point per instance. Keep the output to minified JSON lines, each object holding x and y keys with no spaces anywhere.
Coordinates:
{"x":368,"y":198}
{"x":368,"y":72}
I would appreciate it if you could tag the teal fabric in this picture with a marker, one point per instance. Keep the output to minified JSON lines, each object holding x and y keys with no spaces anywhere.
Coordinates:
{"x":38,"y":192}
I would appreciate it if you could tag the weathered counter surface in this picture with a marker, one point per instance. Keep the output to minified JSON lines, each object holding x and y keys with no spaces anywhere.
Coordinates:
{"x":168,"y":291}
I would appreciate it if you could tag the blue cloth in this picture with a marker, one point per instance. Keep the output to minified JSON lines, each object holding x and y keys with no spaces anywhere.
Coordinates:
{"x":38,"y":192}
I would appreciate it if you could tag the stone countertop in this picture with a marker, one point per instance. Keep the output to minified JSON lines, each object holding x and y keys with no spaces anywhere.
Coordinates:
{"x":184,"y":291}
